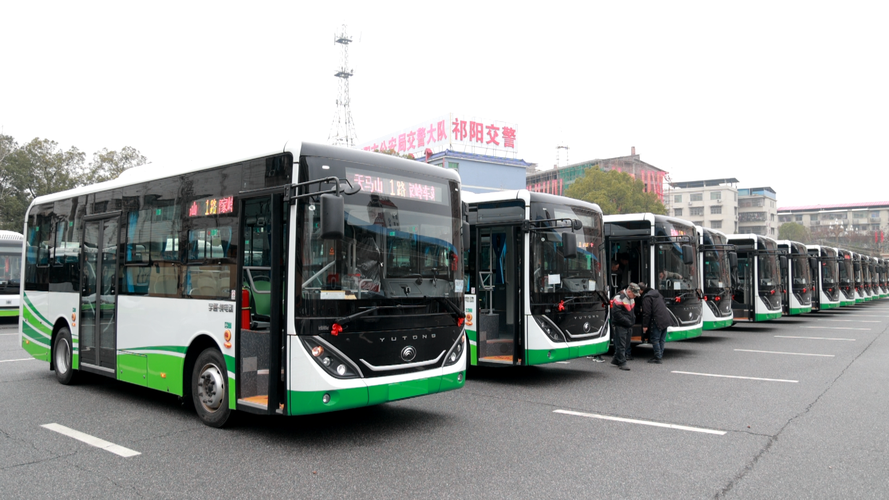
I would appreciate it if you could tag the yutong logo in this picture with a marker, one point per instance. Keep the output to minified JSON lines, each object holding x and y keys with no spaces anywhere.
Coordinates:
{"x":408,"y":353}
{"x":407,"y":337}
{"x":586,"y":327}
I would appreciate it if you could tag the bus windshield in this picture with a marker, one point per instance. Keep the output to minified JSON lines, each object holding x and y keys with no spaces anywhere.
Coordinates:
{"x":10,"y":268}
{"x":800,"y":263}
{"x":400,"y":241}
{"x":768,"y":269}
{"x":716,"y":269}
{"x":829,"y":271}
{"x":553,"y":273}
{"x":845,"y":268}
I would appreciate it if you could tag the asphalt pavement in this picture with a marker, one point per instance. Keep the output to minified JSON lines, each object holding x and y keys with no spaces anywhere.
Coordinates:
{"x":793,"y":408}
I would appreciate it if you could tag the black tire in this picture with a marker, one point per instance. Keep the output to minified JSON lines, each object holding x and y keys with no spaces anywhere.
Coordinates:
{"x":209,"y":388}
{"x":62,"y":356}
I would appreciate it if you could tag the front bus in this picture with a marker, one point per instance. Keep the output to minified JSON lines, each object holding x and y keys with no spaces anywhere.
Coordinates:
{"x":795,"y":278}
{"x":717,"y":258}
{"x":824,"y":268}
{"x":662,"y":252}
{"x":757,"y":281}
{"x":535,"y":277}
{"x":846,"y":273}
{"x":308,"y":280}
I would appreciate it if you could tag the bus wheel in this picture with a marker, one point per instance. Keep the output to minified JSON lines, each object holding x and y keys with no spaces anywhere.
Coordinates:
{"x":209,"y":388}
{"x":62,"y":353}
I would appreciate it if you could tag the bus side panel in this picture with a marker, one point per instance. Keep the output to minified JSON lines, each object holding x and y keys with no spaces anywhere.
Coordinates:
{"x":153,"y":335}
{"x":36,"y":328}
{"x":541,"y":350}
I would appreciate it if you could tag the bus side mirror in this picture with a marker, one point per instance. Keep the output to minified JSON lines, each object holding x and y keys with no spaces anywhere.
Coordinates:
{"x":688,"y":255}
{"x":733,"y":259}
{"x":466,"y":241}
{"x":569,"y":245}
{"x":783,"y":260}
{"x":576,"y":225}
{"x":333,"y":219}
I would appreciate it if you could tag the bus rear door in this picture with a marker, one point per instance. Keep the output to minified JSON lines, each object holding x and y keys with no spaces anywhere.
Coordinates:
{"x":97,"y":345}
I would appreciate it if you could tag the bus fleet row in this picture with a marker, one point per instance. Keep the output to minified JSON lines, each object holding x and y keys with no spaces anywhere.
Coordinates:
{"x":316,"y":278}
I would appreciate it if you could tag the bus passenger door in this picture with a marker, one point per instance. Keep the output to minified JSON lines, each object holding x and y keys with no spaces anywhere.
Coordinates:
{"x":262,"y":255}
{"x":97,"y":345}
{"x":498,"y":299}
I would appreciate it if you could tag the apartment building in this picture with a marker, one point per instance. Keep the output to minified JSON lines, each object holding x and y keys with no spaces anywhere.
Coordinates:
{"x":710,"y":203}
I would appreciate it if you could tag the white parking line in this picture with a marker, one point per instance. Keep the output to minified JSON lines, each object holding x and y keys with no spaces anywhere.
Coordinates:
{"x":738,"y":377}
{"x":4,"y":334}
{"x":641,"y":422}
{"x":836,"y":328}
{"x":788,"y":353}
{"x":811,"y":338}
{"x":11,"y":360}
{"x":92,"y":441}
{"x":848,"y":320}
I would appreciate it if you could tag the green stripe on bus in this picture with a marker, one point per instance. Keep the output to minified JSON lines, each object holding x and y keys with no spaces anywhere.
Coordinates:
{"x":31,"y":306}
{"x":8,"y":313}
{"x":716,"y":325}
{"x":35,"y":323}
{"x":35,"y":334}
{"x":309,"y":402}
{"x":36,"y":350}
{"x":801,"y":310}
{"x":767,"y":316}
{"x":544,"y":356}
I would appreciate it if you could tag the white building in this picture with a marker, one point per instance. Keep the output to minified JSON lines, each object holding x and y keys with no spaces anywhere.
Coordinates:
{"x":711,"y":203}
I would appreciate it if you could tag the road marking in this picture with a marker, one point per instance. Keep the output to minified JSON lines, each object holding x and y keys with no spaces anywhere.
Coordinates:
{"x":788,"y":353}
{"x":641,"y":422}
{"x":11,"y":360}
{"x":4,"y":334}
{"x":92,"y":441}
{"x":811,"y":338}
{"x":836,"y":328}
{"x":848,"y":320}
{"x":738,"y":377}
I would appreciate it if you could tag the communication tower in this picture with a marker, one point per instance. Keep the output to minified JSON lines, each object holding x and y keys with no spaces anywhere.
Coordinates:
{"x":342,"y":130}
{"x":559,"y":156}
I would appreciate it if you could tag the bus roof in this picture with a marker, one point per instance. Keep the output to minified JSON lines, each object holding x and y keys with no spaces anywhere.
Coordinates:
{"x":527,"y":196}
{"x":151,"y":171}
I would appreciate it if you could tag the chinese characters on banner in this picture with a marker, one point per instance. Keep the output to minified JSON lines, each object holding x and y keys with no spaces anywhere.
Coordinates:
{"x":456,"y":132}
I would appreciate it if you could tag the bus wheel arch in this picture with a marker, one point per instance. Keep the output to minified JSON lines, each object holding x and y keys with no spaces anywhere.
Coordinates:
{"x":205,"y":382}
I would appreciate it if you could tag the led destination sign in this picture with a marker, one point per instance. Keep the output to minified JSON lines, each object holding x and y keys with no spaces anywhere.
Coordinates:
{"x":211,"y":206}
{"x":397,"y":187}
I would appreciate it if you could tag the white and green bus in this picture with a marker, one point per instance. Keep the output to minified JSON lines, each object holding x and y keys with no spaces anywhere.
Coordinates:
{"x":536,"y":279}
{"x":824,"y":267}
{"x":756,"y":283}
{"x":310,"y":280}
{"x":10,"y":273}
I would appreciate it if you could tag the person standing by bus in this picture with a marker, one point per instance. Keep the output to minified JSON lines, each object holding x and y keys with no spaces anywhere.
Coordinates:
{"x":655,"y":320}
{"x":622,"y":320}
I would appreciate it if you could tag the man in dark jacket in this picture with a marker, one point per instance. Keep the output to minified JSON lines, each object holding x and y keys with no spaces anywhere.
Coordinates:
{"x":655,"y":320}
{"x":622,"y":320}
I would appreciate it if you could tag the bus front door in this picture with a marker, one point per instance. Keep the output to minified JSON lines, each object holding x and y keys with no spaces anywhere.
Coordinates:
{"x":261,"y":379}
{"x":97,"y":345}
{"x":498,"y":298}
{"x":743,"y":297}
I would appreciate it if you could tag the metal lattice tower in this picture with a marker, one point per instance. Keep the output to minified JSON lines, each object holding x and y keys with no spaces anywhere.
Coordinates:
{"x":559,"y":156}
{"x":342,"y":130}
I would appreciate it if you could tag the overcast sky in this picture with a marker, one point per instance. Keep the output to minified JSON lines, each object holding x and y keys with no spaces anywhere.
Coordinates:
{"x":790,"y":95}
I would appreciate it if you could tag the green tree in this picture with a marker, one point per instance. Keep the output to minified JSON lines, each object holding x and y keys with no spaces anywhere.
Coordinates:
{"x":107,"y":165}
{"x":794,"y":232}
{"x":392,"y":152}
{"x":37,"y":168}
{"x":615,"y":193}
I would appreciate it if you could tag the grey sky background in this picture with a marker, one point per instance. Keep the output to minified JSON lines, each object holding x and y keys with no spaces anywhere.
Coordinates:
{"x":786,"y":94}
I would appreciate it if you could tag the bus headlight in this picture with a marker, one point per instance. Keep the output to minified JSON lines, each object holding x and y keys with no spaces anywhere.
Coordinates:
{"x":456,"y":351}
{"x":335,"y":363}
{"x":550,"y":329}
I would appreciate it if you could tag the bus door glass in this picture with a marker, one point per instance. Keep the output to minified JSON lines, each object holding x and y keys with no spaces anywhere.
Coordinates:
{"x":98,"y":298}
{"x":260,"y":301}
{"x":499,"y":303}
{"x":742,"y":288}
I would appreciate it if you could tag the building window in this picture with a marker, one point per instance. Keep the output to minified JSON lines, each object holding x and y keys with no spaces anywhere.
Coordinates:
{"x":677,"y":198}
{"x":696,"y":197}
{"x":693,"y":211}
{"x":716,"y":210}
{"x":859,"y":215}
{"x":453,"y":165}
{"x":677,"y":212}
{"x":875,"y":215}
{"x":798,"y":218}
{"x":875,"y":227}
{"x":715,"y":195}
{"x":717,"y":224}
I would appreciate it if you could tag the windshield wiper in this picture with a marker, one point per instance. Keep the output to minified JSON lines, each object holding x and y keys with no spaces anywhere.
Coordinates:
{"x":346,"y":319}
{"x":450,"y":306}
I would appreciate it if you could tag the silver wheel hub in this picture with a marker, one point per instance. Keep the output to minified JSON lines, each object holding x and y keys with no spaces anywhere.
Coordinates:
{"x":211,"y":387}
{"x":63,"y":354}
